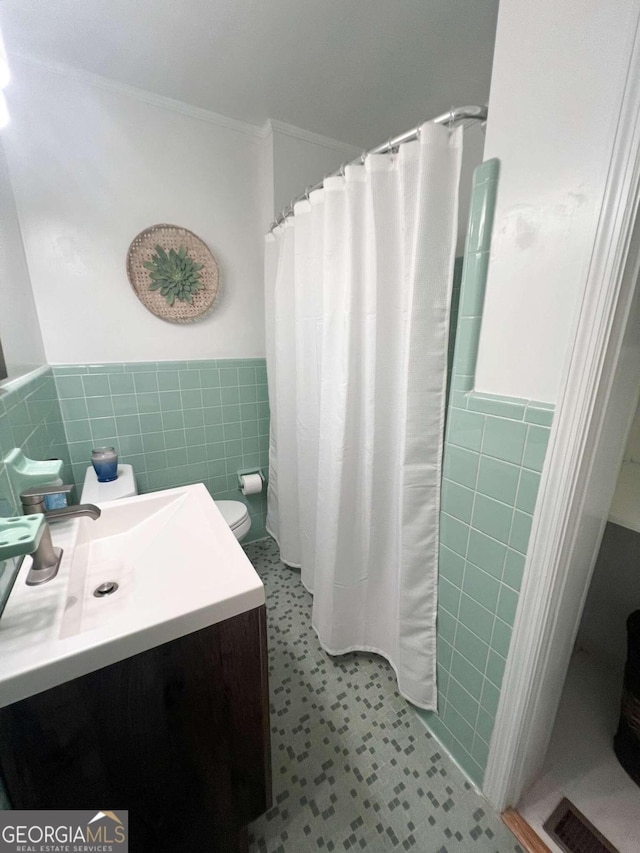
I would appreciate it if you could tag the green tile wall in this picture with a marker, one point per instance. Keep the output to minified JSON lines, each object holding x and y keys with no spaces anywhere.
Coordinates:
{"x":175,"y":422}
{"x":494,"y":453}
{"x":30,"y":419}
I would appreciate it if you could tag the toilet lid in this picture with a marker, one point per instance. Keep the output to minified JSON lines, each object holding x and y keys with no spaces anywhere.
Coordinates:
{"x":234,"y":512}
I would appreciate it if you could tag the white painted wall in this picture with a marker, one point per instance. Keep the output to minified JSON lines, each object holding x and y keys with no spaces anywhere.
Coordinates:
{"x":94,"y":162}
{"x":266,"y":180}
{"x":93,"y":166}
{"x":19,"y":329}
{"x":558,"y":75}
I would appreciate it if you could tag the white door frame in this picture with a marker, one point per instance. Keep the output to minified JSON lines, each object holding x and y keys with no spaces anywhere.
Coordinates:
{"x":592,"y":419}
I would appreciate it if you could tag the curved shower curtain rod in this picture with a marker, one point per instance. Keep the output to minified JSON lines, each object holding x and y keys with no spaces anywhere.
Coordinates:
{"x":454,"y":116}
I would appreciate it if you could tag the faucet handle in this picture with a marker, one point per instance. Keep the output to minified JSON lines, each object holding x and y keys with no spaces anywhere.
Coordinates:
{"x":33,"y":498}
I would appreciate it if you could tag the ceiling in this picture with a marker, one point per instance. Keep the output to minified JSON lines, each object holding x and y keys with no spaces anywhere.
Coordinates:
{"x":359,"y":71}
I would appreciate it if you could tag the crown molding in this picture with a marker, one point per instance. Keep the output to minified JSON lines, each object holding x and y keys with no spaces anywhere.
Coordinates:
{"x":275,"y":126}
{"x":87,"y":78}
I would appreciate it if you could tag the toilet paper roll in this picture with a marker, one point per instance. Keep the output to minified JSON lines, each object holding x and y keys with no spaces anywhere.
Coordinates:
{"x":251,"y":484}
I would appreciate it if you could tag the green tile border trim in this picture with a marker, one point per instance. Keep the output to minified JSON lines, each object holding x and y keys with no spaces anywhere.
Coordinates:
{"x":510,"y":408}
{"x":142,"y":366}
{"x":475,"y":268}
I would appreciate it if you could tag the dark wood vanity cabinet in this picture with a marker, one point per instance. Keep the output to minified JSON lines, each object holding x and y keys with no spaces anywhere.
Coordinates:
{"x":178,"y":735}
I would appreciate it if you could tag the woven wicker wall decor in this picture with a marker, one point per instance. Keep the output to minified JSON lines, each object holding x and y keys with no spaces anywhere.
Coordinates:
{"x":182,"y":304}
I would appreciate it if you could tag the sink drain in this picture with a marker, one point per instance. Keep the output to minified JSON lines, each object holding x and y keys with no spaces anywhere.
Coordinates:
{"x":107,"y":588}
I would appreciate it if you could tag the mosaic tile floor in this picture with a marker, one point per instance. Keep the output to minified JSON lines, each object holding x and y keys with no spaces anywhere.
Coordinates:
{"x":353,"y":767}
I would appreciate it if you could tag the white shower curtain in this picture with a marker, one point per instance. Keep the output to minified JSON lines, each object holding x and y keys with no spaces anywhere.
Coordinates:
{"x":358,"y":287}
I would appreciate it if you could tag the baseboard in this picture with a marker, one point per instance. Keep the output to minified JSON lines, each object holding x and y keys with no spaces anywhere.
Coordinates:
{"x":527,"y":837}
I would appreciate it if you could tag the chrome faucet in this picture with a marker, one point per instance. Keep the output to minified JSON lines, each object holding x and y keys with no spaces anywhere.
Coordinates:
{"x":46,"y":557}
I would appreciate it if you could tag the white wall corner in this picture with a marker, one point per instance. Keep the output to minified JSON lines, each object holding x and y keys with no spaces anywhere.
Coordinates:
{"x":276,"y":126}
{"x":267,"y":175}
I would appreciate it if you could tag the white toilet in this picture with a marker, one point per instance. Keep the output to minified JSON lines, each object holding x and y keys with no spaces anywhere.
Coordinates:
{"x":235,"y":513}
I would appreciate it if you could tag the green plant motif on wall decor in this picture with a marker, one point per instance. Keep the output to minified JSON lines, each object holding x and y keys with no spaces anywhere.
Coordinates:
{"x":175,"y":275}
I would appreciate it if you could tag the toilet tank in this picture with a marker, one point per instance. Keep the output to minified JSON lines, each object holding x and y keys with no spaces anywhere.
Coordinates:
{"x":94,"y":492}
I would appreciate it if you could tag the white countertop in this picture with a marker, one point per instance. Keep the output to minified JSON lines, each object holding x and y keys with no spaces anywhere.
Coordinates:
{"x":180,"y":569}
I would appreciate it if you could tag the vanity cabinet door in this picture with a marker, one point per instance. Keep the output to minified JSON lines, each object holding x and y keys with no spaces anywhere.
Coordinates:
{"x":178,"y":735}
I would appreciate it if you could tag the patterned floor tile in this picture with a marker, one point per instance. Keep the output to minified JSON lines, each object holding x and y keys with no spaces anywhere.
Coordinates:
{"x":353,"y":767}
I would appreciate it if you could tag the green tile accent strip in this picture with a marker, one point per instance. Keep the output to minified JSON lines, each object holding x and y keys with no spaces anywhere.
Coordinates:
{"x":30,"y":419}
{"x":176,"y":422}
{"x":494,"y":452}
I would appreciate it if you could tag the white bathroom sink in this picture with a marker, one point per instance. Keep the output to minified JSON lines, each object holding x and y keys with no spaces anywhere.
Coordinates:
{"x":177,"y":566}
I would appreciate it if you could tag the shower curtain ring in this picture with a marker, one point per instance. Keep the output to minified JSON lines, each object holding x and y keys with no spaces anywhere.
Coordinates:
{"x":363,"y":157}
{"x":342,"y":168}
